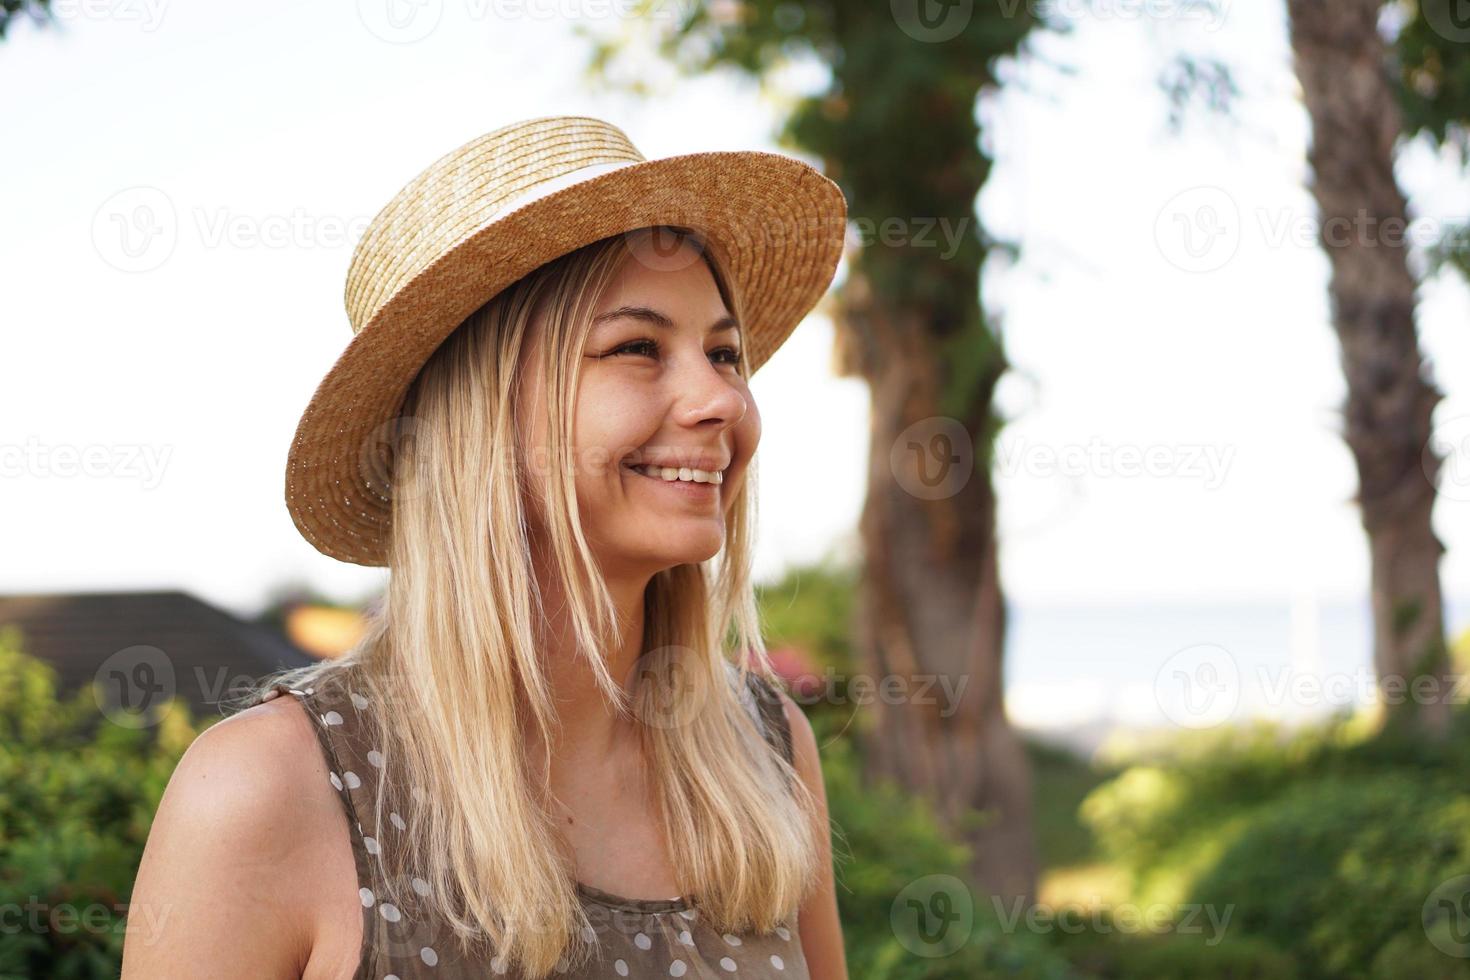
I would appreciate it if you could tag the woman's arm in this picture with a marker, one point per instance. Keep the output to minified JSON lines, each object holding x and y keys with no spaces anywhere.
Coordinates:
{"x":819,"y":927}
{"x":218,"y":892}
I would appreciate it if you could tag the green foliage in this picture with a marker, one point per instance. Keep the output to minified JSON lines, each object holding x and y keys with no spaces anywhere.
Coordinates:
{"x":1434,"y":89}
{"x":1190,"y":958}
{"x":77,"y":796}
{"x":886,"y":839}
{"x":39,"y":11}
{"x":1434,"y":94}
{"x":1323,"y":844}
{"x":1060,"y":782}
{"x":1338,"y":868}
{"x":811,"y":607}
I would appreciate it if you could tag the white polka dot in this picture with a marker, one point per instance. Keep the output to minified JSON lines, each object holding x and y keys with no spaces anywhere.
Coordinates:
{"x":375,"y":758}
{"x":294,"y":691}
{"x":687,"y":913}
{"x":331,"y":718}
{"x":498,"y":964}
{"x":561,"y":965}
{"x":621,"y":967}
{"x":418,"y":794}
{"x":783,"y":933}
{"x":351,"y":779}
{"x":732,"y":940}
{"x":336,"y":780}
{"x":678,"y":968}
{"x":390,"y":912}
{"x":421,"y":886}
{"x":391,"y":976}
{"x":371,"y":843}
{"x":778,"y":962}
{"x":588,"y":934}
{"x":396,"y":820}
{"x":728,"y":965}
{"x":642,"y":941}
{"x":311,"y":690}
{"x":366,"y":894}
{"x":428,"y":955}
{"x":685,"y":938}
{"x":358,"y":701}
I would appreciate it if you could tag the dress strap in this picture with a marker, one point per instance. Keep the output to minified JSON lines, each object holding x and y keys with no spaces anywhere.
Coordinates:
{"x":773,"y":714}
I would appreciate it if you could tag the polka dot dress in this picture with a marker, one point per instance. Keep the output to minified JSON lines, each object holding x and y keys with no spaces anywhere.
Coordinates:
{"x":638,"y":938}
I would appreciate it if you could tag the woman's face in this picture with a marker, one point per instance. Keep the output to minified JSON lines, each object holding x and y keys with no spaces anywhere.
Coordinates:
{"x":659,"y":384}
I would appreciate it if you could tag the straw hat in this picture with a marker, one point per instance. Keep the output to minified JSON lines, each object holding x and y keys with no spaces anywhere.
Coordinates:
{"x":483,"y":216}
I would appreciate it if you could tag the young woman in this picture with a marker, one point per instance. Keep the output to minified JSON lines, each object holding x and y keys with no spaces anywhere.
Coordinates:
{"x":559,"y":750}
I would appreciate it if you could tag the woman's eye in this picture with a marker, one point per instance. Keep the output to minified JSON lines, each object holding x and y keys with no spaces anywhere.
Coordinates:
{"x":632,"y":346}
{"x":729,"y":354}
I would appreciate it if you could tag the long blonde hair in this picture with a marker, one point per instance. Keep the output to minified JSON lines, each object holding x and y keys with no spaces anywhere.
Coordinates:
{"x":451,"y":662}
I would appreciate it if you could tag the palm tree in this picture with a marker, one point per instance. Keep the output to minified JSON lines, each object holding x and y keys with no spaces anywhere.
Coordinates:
{"x":1350,"y":93}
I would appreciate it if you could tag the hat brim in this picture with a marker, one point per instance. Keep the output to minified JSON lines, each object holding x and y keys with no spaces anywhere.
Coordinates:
{"x":775,"y":224}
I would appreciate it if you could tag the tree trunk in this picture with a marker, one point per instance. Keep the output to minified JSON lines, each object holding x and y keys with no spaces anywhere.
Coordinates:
{"x":1341,"y":64}
{"x":930,"y":603}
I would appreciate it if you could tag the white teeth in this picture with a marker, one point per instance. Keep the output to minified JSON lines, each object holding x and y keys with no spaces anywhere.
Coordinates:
{"x":685,"y":474}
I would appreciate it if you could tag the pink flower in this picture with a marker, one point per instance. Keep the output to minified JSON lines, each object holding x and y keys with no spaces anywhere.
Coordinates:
{"x":795,"y":668}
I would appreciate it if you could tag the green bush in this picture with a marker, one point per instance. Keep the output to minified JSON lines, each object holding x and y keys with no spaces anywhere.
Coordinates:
{"x":884,"y":840}
{"x":1324,"y":845}
{"x":77,"y":796}
{"x":1340,"y":868}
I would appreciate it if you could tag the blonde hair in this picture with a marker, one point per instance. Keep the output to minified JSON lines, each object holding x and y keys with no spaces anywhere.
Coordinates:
{"x":451,"y":663}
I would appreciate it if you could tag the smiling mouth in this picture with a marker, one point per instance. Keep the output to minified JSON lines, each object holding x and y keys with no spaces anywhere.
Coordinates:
{"x":680,"y":476}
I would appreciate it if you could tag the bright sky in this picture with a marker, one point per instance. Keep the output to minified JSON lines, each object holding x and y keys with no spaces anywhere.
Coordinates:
{"x":264,"y":135}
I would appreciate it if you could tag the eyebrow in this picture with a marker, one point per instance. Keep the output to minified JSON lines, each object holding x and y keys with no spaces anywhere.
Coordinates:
{"x":726,"y":322}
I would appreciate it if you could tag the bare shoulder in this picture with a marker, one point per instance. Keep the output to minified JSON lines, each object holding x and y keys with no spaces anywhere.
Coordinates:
{"x":239,"y":832}
{"x":803,"y":743}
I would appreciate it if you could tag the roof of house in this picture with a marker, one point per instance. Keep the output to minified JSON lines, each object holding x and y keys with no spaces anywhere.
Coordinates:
{"x":204,"y":651}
